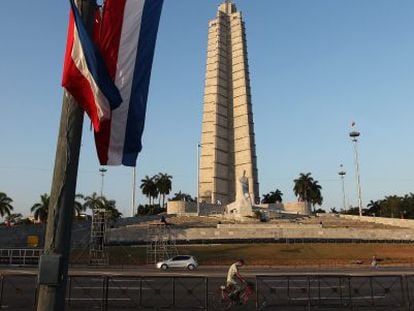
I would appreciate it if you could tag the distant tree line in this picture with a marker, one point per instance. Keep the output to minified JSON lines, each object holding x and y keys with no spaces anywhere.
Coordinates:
{"x":306,"y":190}
{"x":392,"y":206}
{"x":40,"y":209}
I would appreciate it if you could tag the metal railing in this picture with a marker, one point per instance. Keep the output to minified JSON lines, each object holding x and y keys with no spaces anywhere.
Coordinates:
{"x":280,"y":292}
{"x":20,"y":256}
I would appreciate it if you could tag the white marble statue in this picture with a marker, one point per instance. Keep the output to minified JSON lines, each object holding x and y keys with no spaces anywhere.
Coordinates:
{"x":243,"y":204}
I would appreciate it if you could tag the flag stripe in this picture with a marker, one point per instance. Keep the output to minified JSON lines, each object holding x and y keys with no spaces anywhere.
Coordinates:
{"x":74,"y":81}
{"x":119,"y":140}
{"x":124,"y":77}
{"x":111,"y":30}
{"x":141,"y":80}
{"x":94,"y":63}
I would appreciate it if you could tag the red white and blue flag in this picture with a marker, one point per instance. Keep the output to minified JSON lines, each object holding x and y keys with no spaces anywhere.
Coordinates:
{"x":126,"y":44}
{"x":85,"y":75}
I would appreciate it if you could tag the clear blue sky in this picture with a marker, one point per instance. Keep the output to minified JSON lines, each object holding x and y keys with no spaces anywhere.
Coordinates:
{"x":315,"y":67}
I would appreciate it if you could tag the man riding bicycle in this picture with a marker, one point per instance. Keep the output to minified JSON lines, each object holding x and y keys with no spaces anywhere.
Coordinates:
{"x":234,"y":279}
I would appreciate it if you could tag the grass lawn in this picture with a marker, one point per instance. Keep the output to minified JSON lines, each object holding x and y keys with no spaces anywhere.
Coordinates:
{"x":307,"y":254}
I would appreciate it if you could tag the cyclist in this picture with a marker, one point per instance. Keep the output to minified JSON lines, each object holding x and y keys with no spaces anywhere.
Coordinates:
{"x":234,"y":279}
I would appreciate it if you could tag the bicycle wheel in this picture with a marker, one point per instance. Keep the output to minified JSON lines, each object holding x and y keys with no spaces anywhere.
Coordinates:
{"x":220,"y":304}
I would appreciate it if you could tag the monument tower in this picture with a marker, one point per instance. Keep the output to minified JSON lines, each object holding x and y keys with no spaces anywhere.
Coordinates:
{"x":228,"y":149}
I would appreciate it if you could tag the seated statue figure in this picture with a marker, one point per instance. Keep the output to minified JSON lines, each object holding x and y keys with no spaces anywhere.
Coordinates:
{"x":243,"y":204}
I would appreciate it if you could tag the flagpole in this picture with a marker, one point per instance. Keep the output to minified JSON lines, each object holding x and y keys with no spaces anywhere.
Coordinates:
{"x":53,"y":266}
{"x":134,"y":180}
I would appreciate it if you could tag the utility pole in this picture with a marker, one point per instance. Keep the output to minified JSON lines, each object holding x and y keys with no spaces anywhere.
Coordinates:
{"x":53,"y":267}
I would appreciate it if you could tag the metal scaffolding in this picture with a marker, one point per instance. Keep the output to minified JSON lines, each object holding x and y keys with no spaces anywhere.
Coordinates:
{"x":97,"y":254}
{"x":161,"y":243}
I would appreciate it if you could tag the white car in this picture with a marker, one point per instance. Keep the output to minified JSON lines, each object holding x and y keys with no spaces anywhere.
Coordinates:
{"x":179,"y":261}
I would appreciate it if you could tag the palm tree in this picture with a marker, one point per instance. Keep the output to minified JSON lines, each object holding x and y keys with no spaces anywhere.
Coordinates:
{"x":181,"y":196}
{"x":40,"y":209}
{"x":308,"y":190}
{"x":77,"y":206}
{"x":110,"y":207}
{"x":149,"y":188}
{"x":5,"y":204}
{"x":163,"y":184}
{"x":14,"y":218}
{"x":316,"y":195}
{"x":277,"y":195}
{"x":392,"y":205}
{"x":272,"y":197}
{"x":374,"y":207}
{"x":266,"y":198}
{"x":92,"y":202}
{"x":303,"y":187}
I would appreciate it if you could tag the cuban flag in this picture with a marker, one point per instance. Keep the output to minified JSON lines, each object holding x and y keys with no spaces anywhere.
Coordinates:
{"x":127,"y":42}
{"x":85,"y":75}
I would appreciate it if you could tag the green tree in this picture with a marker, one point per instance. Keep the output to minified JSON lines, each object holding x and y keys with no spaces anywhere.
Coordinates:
{"x":163,"y":183}
{"x":303,"y":187}
{"x":149,"y":188}
{"x":40,"y":209}
{"x":181,"y":196}
{"x":92,"y":202}
{"x":14,"y":218}
{"x":308,"y":190}
{"x":316,"y":194}
{"x":272,"y":197}
{"x":5,"y":204}
{"x":374,"y":208}
{"x":110,"y":208}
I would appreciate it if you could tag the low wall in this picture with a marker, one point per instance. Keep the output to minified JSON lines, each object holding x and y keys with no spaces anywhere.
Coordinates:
{"x":183,"y":208}
{"x":251,"y":232}
{"x":397,"y":222}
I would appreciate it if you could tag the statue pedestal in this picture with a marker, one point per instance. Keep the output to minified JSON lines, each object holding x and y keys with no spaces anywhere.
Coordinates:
{"x":241,"y":207}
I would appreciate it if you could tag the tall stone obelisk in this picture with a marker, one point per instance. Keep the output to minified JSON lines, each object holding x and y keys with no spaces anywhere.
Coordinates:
{"x":227,"y":141}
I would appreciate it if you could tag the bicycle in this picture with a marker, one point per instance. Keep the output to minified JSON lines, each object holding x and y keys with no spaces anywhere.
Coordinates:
{"x":225,"y":298}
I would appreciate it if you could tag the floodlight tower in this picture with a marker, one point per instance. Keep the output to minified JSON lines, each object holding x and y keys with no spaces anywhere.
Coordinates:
{"x":342,"y":174}
{"x":354,"y":134}
{"x":102,"y":171}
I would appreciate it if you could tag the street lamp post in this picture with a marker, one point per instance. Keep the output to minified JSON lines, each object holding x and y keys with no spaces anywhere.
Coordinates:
{"x":354,"y":134}
{"x":102,"y":171}
{"x":342,"y":174}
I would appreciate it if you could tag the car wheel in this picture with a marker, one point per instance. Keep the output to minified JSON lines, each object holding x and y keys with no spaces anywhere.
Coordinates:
{"x":191,"y":267}
{"x":164,"y":267}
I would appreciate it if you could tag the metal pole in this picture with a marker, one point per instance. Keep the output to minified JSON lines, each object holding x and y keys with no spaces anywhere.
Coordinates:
{"x":62,"y":196}
{"x":342,"y":174}
{"x":357,"y":176}
{"x":354,"y":137}
{"x":343,"y":193}
{"x":102,"y":170}
{"x":134,"y":180}
{"x":198,"y":179}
